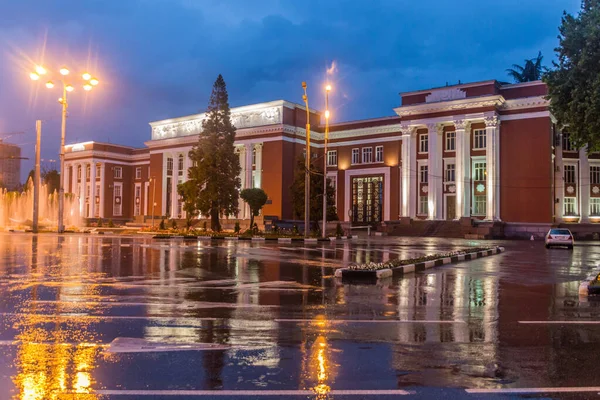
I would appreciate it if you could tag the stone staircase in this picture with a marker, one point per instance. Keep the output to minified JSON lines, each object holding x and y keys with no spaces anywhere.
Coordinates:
{"x":465,"y":228}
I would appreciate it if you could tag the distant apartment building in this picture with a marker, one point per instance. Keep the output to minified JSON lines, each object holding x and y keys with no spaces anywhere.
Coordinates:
{"x":10,"y":165}
{"x":488,"y":151}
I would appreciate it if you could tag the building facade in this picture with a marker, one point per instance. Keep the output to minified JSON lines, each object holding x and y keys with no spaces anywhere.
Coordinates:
{"x":485,"y":150}
{"x":10,"y":165}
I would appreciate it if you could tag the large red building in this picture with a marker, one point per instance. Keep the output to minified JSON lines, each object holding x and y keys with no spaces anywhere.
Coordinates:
{"x":487,"y":150}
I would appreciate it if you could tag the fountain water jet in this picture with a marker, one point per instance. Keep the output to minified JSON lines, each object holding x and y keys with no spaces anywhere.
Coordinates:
{"x":16,"y":209}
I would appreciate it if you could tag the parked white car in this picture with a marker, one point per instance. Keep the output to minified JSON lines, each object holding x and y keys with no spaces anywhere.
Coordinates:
{"x":559,"y":237}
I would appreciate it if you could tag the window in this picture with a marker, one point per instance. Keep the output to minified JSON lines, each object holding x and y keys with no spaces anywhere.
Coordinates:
{"x":88,"y":190}
{"x":479,"y":171}
{"x":450,"y":172}
{"x":170,"y":166}
{"x":88,"y":171}
{"x":595,"y":175}
{"x":423,"y":205}
{"x":479,"y":139}
{"x":333,"y":183}
{"x":379,"y":154}
{"x":480,"y":205}
{"x":79,"y":173}
{"x":367,"y":155}
{"x":254,"y":157}
{"x":424,"y":169}
{"x":332,"y":158}
{"x":180,"y":165}
{"x":423,"y":143}
{"x":570,"y":206}
{"x":138,"y":173}
{"x":595,"y":206}
{"x":117,"y":203}
{"x":97,"y":208}
{"x":138,"y":201}
{"x":450,"y":141}
{"x":98,"y":171}
{"x":118,"y":172}
{"x":355,"y":156}
{"x":567,"y":145}
{"x":569,"y":174}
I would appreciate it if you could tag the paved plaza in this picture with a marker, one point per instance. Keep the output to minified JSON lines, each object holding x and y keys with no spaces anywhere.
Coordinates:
{"x":115,"y":317}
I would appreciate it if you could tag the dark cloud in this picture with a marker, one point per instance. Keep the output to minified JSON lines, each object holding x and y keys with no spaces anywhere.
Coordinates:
{"x":158,"y":58}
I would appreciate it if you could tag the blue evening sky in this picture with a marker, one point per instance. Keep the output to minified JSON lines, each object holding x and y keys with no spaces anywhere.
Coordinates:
{"x":158,"y":59}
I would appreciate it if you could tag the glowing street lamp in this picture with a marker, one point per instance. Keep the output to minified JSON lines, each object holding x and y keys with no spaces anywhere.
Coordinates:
{"x":88,"y":84}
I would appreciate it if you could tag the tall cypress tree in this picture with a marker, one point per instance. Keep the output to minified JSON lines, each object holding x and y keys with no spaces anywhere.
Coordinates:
{"x":213,"y":180}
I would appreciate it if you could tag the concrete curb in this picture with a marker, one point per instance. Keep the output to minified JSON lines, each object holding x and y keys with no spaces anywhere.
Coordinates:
{"x":418,"y":267}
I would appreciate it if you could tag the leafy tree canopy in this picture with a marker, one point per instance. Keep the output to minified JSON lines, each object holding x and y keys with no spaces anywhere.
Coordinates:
{"x":531,"y":71}
{"x":574,"y":82}
{"x":256,"y":199}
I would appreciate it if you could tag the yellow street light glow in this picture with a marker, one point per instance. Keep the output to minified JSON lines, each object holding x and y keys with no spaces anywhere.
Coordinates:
{"x":49,"y":84}
{"x":87,"y":87}
{"x":94,"y":81}
{"x":64,"y":71}
{"x":326,"y":114}
{"x":328,"y":88}
{"x":86,"y":76}
{"x":70,"y":88}
{"x":34,"y":76}
{"x":40,"y":70}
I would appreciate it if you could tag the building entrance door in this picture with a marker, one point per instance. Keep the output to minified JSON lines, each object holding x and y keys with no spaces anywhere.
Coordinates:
{"x":367,"y":199}
{"x":450,"y":207}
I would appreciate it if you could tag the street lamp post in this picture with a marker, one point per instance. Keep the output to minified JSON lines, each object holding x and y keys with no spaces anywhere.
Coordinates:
{"x":306,"y":167}
{"x":89,"y":83}
{"x":327,"y":90}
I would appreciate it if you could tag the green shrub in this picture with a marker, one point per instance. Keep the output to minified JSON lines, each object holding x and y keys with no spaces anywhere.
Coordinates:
{"x":237,"y":227}
{"x":295,"y":229}
{"x":110,"y":223}
{"x":338,"y":230}
{"x":162,"y":226}
{"x":173,"y":224}
{"x":99,"y":223}
{"x":204,"y":225}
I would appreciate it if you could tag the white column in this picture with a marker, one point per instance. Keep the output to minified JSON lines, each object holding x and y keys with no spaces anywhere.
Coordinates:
{"x":435,"y":193}
{"x":492,"y":124}
{"x":409,"y":172}
{"x":241,"y":204}
{"x":73,"y":178}
{"x":584,"y":186}
{"x":249,"y":153}
{"x":102,"y":188}
{"x":82,"y":188}
{"x":174,"y":181}
{"x":258,"y":167}
{"x":463,"y":168}
{"x":65,"y":178}
{"x":93,"y":189}
{"x":559,"y":183}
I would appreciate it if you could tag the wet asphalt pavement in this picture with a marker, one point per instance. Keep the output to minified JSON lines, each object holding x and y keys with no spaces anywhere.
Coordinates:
{"x":100,"y":317}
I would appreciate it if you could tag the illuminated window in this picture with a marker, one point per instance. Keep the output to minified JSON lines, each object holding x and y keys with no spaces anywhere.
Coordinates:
{"x":424,"y":173}
{"x":479,"y":171}
{"x":479,"y":205}
{"x":450,"y":172}
{"x":595,"y":206}
{"x":423,"y":205}
{"x":570,"y":208}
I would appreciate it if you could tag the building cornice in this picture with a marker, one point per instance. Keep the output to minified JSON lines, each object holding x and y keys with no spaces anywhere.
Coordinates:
{"x":453,"y":105}
{"x":375,"y":130}
{"x":526,"y":102}
{"x":461,"y":86}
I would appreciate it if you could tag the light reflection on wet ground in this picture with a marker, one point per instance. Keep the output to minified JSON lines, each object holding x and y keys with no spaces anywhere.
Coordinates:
{"x":286,"y":322}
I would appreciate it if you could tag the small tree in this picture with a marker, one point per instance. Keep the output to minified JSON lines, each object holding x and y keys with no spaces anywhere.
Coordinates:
{"x":256,"y":199}
{"x":162,"y":226}
{"x":531,"y":71}
{"x":574,"y":83}
{"x":213,"y":185}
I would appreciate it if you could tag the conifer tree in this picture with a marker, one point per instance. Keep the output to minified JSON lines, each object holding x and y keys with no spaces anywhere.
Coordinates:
{"x":213,"y":180}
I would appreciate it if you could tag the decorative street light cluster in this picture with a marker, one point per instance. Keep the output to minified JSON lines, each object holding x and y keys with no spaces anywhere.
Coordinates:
{"x":88,"y":84}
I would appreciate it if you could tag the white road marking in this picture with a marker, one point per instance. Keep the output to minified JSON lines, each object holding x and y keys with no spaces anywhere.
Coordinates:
{"x":561,"y":322}
{"x":214,"y":393}
{"x":369,"y":321}
{"x":536,"y":390}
